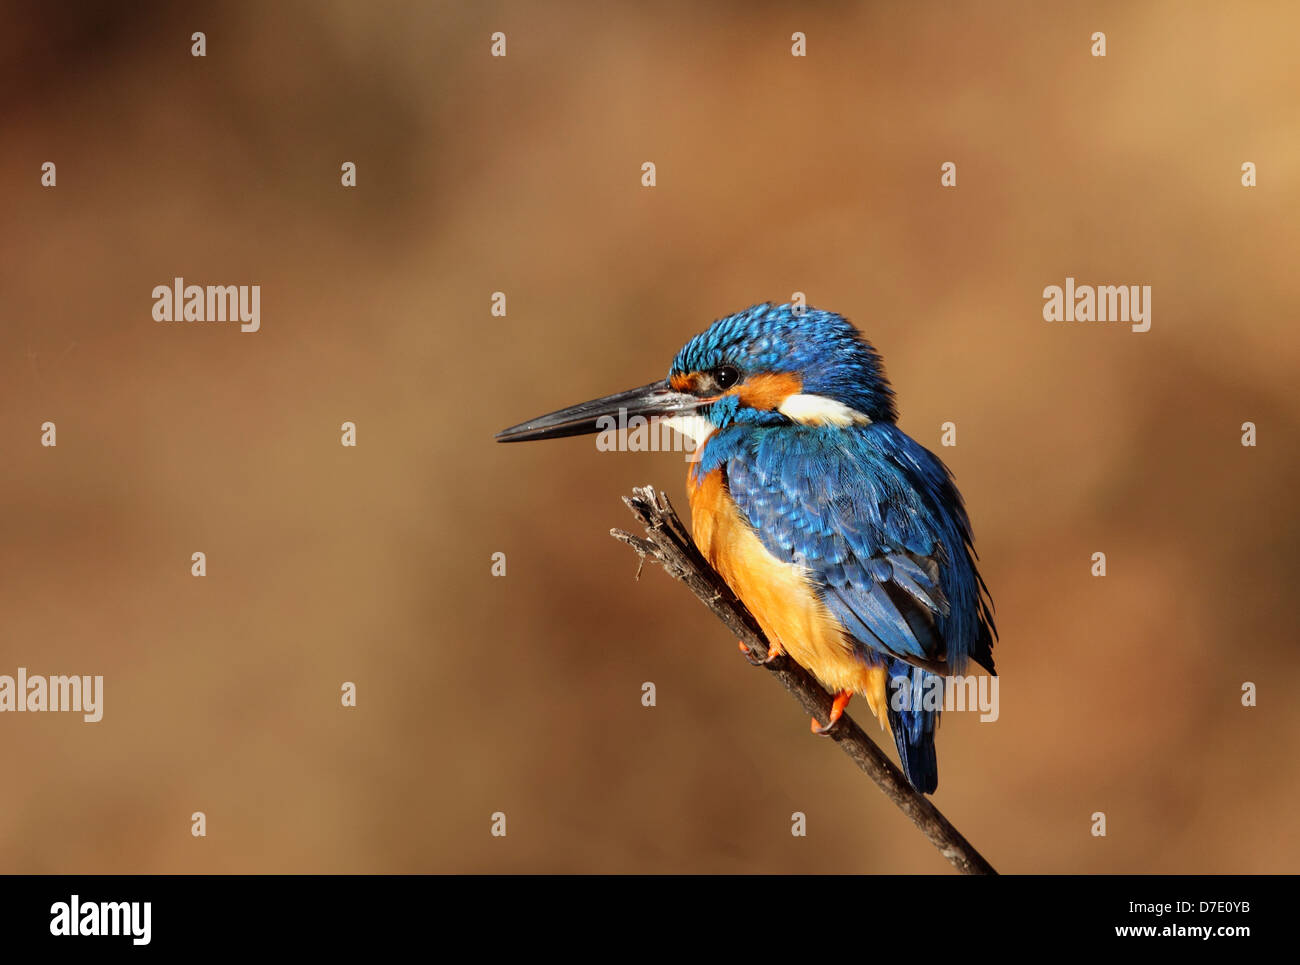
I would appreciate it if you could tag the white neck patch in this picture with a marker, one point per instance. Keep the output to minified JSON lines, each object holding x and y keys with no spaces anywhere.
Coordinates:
{"x":817,"y":410}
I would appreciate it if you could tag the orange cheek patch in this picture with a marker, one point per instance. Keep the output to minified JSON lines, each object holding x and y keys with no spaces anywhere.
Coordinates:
{"x":768,"y":390}
{"x":682,"y":382}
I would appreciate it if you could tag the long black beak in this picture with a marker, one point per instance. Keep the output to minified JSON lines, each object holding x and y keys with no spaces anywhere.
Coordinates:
{"x":611,"y":412}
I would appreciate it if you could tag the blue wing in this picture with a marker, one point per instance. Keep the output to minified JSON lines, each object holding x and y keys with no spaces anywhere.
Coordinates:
{"x":878,"y":524}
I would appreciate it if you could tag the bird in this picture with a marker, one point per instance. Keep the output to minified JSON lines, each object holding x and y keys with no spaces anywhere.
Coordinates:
{"x":846,"y":539}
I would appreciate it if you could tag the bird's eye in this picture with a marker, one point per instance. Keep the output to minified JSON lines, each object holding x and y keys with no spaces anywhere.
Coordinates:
{"x":725,"y":376}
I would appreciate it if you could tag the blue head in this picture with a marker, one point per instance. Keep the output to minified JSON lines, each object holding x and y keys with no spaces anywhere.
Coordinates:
{"x":768,"y":365}
{"x":773,"y":364}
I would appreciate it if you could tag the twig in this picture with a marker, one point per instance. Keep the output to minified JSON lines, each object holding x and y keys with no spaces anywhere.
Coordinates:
{"x":668,"y":543}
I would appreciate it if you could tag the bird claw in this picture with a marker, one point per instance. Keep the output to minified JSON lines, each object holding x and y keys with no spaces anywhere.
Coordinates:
{"x":771,"y":659}
{"x":825,"y":730}
{"x":837,"y":711}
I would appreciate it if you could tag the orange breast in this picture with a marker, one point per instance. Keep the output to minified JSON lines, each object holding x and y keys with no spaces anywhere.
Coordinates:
{"x":779,"y":595}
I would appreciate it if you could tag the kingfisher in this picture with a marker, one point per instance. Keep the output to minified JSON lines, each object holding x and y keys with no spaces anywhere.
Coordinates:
{"x":846,"y":539}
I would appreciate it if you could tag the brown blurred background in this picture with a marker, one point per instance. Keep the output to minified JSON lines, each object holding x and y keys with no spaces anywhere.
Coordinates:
{"x":522,"y":694}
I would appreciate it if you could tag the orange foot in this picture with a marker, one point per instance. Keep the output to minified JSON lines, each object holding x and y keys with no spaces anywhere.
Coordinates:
{"x":837,"y":711}
{"x":774,"y":652}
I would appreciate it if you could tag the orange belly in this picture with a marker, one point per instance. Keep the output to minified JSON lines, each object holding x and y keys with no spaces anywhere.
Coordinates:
{"x":780,"y":596}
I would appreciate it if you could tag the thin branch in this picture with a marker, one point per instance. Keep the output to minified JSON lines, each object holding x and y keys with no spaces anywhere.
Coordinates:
{"x":668,"y":543}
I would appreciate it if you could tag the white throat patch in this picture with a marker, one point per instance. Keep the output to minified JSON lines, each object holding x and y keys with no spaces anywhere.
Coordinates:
{"x":694,"y":427}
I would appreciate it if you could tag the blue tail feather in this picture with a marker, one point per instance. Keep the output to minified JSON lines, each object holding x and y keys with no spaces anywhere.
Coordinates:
{"x":913,"y":726}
